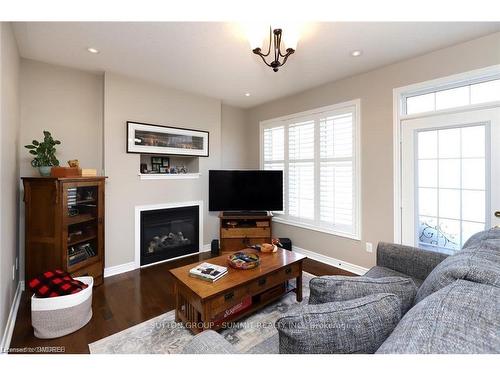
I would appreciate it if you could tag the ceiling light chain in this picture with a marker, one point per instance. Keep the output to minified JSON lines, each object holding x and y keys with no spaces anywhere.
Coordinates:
{"x":276,"y":42}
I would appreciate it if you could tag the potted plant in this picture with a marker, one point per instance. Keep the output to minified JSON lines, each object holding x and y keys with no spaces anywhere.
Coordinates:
{"x":45,"y":153}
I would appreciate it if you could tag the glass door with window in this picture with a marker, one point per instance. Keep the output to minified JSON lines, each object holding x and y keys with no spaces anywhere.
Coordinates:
{"x":450,"y":178}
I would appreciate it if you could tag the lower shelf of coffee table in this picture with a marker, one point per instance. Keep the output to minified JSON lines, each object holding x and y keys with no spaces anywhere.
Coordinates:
{"x":254,"y":307}
{"x":193,"y":318}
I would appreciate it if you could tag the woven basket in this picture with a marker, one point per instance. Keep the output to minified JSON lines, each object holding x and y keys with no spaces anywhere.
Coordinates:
{"x":60,"y":316}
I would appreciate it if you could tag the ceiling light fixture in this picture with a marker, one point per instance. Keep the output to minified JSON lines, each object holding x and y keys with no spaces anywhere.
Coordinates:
{"x":92,"y":50}
{"x":275,"y":45}
{"x":356,"y":53}
{"x":247,"y":94}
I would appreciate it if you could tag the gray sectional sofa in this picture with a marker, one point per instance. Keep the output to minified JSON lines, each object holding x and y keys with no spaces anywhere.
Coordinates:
{"x":412,"y":301}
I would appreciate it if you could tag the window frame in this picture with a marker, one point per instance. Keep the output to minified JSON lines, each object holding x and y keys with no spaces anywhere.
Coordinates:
{"x":443,"y":86}
{"x":315,"y":114}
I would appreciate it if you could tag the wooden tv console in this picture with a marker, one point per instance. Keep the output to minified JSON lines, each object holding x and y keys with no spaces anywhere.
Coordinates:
{"x":240,"y":231}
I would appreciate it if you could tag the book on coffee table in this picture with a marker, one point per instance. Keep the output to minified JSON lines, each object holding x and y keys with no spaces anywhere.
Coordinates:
{"x":208,"y":272}
{"x":244,"y":304}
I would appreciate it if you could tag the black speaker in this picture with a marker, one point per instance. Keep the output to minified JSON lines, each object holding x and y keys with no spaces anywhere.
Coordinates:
{"x":287,"y":243}
{"x":214,"y":248}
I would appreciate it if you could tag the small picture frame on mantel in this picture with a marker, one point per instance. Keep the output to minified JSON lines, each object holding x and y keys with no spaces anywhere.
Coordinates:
{"x":165,"y":140}
{"x":160,"y":164}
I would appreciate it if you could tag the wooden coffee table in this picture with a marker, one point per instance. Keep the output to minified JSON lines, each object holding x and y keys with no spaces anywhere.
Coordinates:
{"x":199,"y":304}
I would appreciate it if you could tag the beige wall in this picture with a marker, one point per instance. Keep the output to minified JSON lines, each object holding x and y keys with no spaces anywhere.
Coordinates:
{"x":9,"y":169}
{"x":68,"y":103}
{"x":127,"y":99}
{"x":235,"y":146}
{"x":375,"y":90}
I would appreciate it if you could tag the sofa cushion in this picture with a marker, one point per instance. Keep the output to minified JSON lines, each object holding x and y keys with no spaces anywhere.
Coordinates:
{"x":480,"y":264}
{"x":475,"y":240}
{"x":463,"y":317}
{"x":357,"y":326}
{"x":343,"y":288}
{"x":485,"y":250}
{"x":378,"y":271}
{"x":411,"y":261}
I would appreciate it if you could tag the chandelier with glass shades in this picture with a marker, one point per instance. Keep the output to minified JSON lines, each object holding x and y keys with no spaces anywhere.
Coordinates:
{"x":281,"y":46}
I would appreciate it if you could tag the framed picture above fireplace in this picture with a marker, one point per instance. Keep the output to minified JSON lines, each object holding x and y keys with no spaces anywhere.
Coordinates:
{"x":156,"y":139}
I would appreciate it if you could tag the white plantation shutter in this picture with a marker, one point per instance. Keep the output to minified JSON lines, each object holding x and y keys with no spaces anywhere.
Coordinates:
{"x":301,"y":170}
{"x":301,"y":141}
{"x":336,"y":177}
{"x":274,"y":144}
{"x":336,"y":136}
{"x":317,"y":153}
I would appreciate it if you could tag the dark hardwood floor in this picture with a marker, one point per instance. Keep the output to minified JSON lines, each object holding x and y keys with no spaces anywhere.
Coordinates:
{"x":120,"y":302}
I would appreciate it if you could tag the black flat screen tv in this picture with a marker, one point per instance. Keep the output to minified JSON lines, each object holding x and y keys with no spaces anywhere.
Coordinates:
{"x":245,"y":190}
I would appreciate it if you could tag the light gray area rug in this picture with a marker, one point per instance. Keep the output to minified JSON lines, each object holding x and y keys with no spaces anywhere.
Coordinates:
{"x":162,"y":335}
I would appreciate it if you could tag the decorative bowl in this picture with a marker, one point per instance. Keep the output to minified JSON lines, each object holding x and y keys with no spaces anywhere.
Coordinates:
{"x":243,"y":260}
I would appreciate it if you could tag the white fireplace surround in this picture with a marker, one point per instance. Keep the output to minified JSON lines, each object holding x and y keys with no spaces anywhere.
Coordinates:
{"x":149,"y":207}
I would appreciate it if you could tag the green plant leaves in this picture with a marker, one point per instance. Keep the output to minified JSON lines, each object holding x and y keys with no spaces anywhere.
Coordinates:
{"x":45,"y":152}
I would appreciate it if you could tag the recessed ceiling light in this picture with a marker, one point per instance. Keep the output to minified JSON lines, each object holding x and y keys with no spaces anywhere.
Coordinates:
{"x":247,"y":94}
{"x":356,"y":53}
{"x":92,"y":50}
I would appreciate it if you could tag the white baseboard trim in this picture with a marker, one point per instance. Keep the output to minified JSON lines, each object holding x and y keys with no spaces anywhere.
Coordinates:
{"x":121,"y":268}
{"x":130,"y":266}
{"x":346,"y":266}
{"x":11,"y":320}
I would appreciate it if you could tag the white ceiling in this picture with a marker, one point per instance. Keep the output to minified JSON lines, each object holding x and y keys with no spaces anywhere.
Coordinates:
{"x":215,"y":59}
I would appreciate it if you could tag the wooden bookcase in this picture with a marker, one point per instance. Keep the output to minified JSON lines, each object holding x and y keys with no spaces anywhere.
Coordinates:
{"x":64,"y":225}
{"x":238,"y":232}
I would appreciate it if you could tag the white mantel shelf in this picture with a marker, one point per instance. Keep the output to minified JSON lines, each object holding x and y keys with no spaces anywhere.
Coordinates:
{"x":165,"y":176}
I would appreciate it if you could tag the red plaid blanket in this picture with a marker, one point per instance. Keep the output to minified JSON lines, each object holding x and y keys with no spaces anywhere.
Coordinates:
{"x":54,"y":284}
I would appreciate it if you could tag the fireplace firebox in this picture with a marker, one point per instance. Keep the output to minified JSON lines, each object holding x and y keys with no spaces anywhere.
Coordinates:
{"x":169,"y":233}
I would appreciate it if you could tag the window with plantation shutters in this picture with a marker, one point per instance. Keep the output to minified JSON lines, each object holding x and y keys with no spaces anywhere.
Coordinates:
{"x":318,"y":153}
